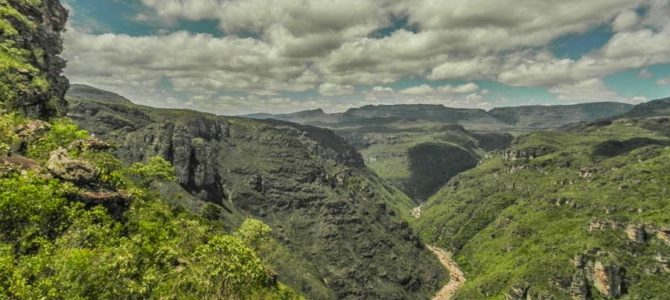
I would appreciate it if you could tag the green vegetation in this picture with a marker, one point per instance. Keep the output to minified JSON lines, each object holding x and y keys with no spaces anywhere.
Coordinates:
{"x":338,"y":230}
{"x":420,"y":157}
{"x":17,"y":73}
{"x":520,"y":221}
{"x":54,"y":246}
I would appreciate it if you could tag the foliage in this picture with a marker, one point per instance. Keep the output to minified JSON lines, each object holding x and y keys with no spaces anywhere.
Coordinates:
{"x":253,"y":232}
{"x":157,"y":168}
{"x":52,"y":247}
{"x":520,"y":222}
{"x":63,"y":132}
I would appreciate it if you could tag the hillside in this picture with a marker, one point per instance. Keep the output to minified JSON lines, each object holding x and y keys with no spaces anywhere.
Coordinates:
{"x":420,"y":157}
{"x":553,"y":116}
{"x":578,"y":213}
{"x":334,"y":216}
{"x":75,"y":223}
{"x":655,"y":108}
{"x":419,"y":148}
{"x":509,"y":119}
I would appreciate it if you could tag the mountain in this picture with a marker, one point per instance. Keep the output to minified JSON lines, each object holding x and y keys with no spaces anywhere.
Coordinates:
{"x":655,"y":108}
{"x":420,"y":147}
{"x":435,"y":113}
{"x":344,"y":228}
{"x":557,"y":115}
{"x":315,"y":116}
{"x":420,"y":157}
{"x":572,"y":213}
{"x":499,"y":119}
{"x":85,"y":92}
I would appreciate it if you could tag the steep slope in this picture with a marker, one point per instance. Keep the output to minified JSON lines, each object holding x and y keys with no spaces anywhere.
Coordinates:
{"x":333,"y":215}
{"x":85,"y":92}
{"x":655,"y":108}
{"x":77,"y":224}
{"x":420,"y":157}
{"x":557,"y":115}
{"x":578,"y":213}
{"x":30,"y":69}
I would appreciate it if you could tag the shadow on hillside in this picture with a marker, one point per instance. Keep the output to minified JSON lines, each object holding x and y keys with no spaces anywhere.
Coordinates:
{"x":613,"y":148}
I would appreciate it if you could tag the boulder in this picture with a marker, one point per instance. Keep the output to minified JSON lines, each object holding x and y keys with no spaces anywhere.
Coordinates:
{"x":608,"y":279}
{"x":92,"y":144}
{"x":636,"y":233}
{"x":78,"y":171}
{"x":579,"y":289}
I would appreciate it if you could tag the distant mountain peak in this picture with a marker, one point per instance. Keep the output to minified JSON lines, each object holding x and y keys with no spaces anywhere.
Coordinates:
{"x":87,"y":92}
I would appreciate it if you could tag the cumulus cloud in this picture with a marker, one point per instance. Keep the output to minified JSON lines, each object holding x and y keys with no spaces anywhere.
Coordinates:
{"x":625,"y":21}
{"x":587,"y":90}
{"x":330,"y":89}
{"x":273,"y":47}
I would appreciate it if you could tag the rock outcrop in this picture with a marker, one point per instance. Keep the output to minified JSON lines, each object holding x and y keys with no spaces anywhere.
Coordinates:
{"x":608,"y":279}
{"x":73,"y":170}
{"x":307,"y":183}
{"x":32,"y":83}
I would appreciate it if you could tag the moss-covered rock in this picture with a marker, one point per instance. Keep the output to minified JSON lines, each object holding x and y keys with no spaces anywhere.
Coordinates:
{"x":30,"y":68}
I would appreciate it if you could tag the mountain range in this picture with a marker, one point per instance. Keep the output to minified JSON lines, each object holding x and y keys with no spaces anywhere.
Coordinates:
{"x":102,"y":198}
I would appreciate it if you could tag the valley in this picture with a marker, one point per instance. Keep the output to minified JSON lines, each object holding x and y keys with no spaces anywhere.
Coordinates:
{"x":105,"y":198}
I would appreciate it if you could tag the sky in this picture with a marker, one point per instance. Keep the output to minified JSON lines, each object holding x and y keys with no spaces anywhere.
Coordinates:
{"x":234,"y":57}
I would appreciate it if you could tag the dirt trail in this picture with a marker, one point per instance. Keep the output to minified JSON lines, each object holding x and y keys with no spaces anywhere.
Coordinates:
{"x":455,"y":273}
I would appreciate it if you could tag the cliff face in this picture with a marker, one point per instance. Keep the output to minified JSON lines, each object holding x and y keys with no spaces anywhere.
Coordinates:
{"x":30,"y":73}
{"x":307,"y":183}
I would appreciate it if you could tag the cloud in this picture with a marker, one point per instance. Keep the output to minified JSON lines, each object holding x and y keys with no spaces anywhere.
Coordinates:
{"x":418,"y":90}
{"x":382,"y":89}
{"x":271,"y":48}
{"x":644,"y":73}
{"x":330,"y":89}
{"x":664,"y":81}
{"x":460,"y":89}
{"x":625,"y":21}
{"x":588,"y":90}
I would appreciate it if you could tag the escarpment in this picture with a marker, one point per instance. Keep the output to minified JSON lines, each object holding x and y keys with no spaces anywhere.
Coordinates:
{"x":307,"y":183}
{"x":30,"y":78}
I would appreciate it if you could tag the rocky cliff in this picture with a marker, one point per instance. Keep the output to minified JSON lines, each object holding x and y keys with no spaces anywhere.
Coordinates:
{"x":30,"y":72}
{"x":308,"y":184}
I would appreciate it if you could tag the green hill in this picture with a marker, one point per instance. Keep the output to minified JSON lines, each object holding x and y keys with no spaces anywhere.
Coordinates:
{"x":576,"y":213}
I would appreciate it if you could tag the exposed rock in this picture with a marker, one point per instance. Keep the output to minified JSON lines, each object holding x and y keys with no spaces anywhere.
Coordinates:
{"x":517,"y":292}
{"x":305,"y":179}
{"x":62,"y":166}
{"x":31,"y":130}
{"x":19,"y":162}
{"x":608,"y":279}
{"x":587,"y":173}
{"x":636,"y":233}
{"x":39,"y":100}
{"x":579,"y":289}
{"x":663,"y":234}
{"x":92,"y":143}
{"x":526,"y":154}
{"x":598,"y":225}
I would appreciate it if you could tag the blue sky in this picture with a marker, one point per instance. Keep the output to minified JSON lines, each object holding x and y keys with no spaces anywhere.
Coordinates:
{"x":237,"y":57}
